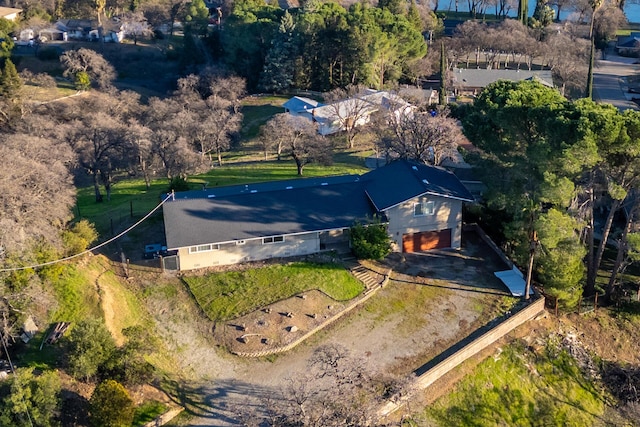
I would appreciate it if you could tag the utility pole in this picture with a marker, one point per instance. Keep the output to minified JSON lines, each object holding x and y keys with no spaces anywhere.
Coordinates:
{"x":532,"y":251}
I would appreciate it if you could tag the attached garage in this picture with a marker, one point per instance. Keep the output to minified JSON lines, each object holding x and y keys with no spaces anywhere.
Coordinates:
{"x":425,"y":240}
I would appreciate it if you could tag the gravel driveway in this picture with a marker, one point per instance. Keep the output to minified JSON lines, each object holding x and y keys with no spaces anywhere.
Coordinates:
{"x":439,"y":298}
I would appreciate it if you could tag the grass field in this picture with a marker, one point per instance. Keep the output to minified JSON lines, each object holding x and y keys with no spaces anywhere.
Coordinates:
{"x":227,"y":295}
{"x":518,"y":388}
{"x":130,"y":199}
{"x":257,"y":110}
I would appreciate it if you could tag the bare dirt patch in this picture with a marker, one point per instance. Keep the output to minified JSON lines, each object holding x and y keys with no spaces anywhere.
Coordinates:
{"x":278,"y":324}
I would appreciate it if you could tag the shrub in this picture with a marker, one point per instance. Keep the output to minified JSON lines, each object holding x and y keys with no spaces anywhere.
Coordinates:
{"x":179,"y":184}
{"x":90,"y":345}
{"x":79,"y":237}
{"x":370,"y":241}
{"x":111,"y":406}
{"x":82,"y":81}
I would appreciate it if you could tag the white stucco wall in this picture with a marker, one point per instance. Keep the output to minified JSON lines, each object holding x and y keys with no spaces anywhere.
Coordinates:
{"x":251,"y":250}
{"x":447,"y":214}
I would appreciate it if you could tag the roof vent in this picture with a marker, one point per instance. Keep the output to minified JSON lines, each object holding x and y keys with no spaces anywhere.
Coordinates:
{"x":254,"y":191}
{"x":289,"y":187}
{"x":211,"y":196}
{"x":425,"y":181}
{"x":325,"y":183}
{"x":415,"y":168}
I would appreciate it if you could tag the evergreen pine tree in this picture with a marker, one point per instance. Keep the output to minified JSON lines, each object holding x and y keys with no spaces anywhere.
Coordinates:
{"x":277,"y":74}
{"x":413,"y":16}
{"x":10,"y":82}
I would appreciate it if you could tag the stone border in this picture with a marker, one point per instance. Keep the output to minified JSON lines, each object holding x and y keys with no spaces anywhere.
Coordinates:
{"x":164,"y":418}
{"x":476,"y":345}
{"x":368,"y":293}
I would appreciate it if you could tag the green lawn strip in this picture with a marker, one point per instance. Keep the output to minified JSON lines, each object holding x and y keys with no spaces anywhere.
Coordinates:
{"x":147,"y":412}
{"x":227,"y":295}
{"x":518,"y":388}
{"x":132,"y":195}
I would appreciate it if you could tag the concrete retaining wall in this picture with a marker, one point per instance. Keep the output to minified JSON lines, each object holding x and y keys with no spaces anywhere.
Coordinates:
{"x":426,"y":379}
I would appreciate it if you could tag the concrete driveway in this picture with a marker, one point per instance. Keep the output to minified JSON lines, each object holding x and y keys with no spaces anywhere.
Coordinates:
{"x":610,"y":83}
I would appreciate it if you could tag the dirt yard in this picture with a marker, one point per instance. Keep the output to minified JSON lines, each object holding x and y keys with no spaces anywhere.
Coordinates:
{"x":432,"y":301}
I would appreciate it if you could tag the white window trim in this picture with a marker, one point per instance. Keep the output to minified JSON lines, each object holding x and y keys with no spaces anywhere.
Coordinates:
{"x":272,"y":240}
{"x":428,"y":208}
{"x":196,"y":249}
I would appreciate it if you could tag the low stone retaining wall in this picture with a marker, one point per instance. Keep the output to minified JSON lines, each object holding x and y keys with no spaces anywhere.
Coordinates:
{"x":424,"y":380}
{"x":164,"y":418}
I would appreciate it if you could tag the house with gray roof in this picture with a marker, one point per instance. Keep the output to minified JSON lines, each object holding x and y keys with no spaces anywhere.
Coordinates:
{"x":350,"y":112}
{"x":472,"y":81}
{"x":421,"y":205}
{"x":628,"y":45}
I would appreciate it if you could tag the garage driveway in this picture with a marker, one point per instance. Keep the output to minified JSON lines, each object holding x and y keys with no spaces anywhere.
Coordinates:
{"x":609,"y":81}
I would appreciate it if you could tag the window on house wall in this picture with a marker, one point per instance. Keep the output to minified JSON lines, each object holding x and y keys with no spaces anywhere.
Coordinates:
{"x":423,"y":208}
{"x":276,"y":239}
{"x":203,"y":248}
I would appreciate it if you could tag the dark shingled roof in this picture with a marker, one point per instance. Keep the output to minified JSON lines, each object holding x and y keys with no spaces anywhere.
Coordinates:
{"x":403,"y":180}
{"x":242,"y":212}
{"x":262,"y":210}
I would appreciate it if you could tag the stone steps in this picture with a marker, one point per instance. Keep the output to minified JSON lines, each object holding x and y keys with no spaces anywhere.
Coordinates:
{"x":369,"y":278}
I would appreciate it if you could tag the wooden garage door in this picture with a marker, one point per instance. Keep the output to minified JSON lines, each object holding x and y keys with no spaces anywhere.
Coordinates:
{"x":426,"y":240}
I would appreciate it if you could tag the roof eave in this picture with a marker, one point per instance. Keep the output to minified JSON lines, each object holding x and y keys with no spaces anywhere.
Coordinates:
{"x":430,"y":193}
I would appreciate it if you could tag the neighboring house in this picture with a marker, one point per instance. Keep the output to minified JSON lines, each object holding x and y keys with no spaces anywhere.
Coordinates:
{"x":76,"y":29}
{"x":87,"y":29}
{"x":300,"y":106}
{"x":424,"y":96}
{"x":472,"y":81}
{"x":422,"y":206}
{"x":629,"y":45}
{"x":351,"y":112}
{"x":9,"y":13}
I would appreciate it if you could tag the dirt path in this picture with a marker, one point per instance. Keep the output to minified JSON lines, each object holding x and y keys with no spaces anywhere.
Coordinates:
{"x":107,"y":304}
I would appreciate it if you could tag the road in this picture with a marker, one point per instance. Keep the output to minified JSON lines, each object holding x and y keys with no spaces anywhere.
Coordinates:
{"x":609,"y":83}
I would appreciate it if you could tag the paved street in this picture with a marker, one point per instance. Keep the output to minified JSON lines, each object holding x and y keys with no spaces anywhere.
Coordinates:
{"x":609,"y":83}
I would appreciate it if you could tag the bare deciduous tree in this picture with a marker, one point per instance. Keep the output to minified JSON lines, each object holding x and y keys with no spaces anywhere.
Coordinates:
{"x":163,"y":117}
{"x":300,"y":140}
{"x":349,"y":109}
{"x":135,"y":25}
{"x":36,"y":190}
{"x":568,"y":59}
{"x":335,"y":391}
{"x":421,"y":136}
{"x":100,"y":71}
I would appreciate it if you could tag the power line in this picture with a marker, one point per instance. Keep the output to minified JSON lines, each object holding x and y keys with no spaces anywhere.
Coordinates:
{"x":4,"y":270}
{"x":13,"y":371}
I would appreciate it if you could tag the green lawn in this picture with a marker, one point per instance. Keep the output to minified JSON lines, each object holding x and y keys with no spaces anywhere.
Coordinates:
{"x":257,"y":111}
{"x":227,"y":295}
{"x":521,"y":388}
{"x":130,"y":195}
